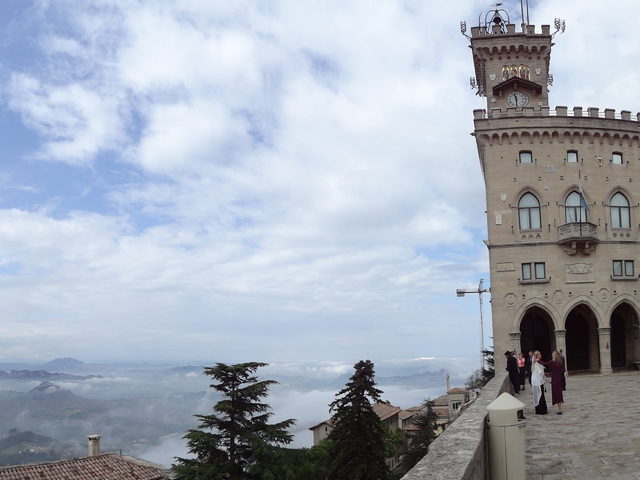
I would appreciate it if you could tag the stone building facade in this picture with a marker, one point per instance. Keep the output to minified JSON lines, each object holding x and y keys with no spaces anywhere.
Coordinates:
{"x":562,"y":193}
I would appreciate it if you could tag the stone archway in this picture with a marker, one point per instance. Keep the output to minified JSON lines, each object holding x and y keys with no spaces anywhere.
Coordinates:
{"x":582,"y":339}
{"x":536,"y":332}
{"x":622,"y":323}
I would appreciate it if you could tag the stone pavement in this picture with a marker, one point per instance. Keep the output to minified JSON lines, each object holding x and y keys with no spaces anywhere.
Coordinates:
{"x":598,"y":435}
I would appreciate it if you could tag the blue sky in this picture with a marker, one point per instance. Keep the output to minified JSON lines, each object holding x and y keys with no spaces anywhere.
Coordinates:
{"x":276,"y":181}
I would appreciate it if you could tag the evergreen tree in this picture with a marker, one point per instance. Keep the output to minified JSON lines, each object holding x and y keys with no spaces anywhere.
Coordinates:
{"x":426,"y":423}
{"x":295,"y":464}
{"x":480,"y":378}
{"x":358,"y":439}
{"x":229,"y":443}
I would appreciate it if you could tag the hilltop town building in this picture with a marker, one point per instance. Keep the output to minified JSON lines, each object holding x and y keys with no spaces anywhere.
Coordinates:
{"x":562,"y":193}
{"x":446,"y":407}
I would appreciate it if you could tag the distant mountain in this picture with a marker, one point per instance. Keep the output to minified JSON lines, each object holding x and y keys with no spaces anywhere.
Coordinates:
{"x":416,"y":380}
{"x":185,"y":370}
{"x":126,"y":424}
{"x":424,"y":379}
{"x":62,"y":364}
{"x":42,"y":375}
{"x":46,"y":403}
{"x":28,"y":447}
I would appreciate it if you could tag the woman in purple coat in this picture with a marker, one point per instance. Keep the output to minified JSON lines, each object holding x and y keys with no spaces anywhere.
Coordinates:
{"x":557,"y":372}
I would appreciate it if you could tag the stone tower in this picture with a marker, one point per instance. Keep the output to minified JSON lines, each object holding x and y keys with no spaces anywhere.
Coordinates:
{"x":562,"y":193}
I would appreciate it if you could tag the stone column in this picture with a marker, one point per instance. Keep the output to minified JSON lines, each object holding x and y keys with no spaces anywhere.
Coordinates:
{"x":514,"y":338}
{"x":561,"y":344}
{"x":604,"y":342}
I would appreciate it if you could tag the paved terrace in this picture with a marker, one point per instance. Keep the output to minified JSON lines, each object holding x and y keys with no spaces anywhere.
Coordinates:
{"x":598,"y":436}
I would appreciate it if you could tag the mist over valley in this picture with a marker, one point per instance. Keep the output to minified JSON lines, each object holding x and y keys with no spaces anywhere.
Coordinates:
{"x":144,"y":409}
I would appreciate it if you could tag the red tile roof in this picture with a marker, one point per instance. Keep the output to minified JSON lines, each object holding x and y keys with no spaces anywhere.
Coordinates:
{"x":385,"y":410}
{"x":100,"y":467}
{"x":457,"y":390}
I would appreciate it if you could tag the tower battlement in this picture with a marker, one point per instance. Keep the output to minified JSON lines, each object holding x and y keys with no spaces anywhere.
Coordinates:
{"x":560,"y":111}
{"x":496,"y":30}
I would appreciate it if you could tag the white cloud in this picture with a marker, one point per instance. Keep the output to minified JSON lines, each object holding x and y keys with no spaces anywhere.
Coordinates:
{"x":235,"y":179}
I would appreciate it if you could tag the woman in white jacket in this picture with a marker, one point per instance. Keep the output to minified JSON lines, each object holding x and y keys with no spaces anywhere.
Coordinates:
{"x":537,"y":385}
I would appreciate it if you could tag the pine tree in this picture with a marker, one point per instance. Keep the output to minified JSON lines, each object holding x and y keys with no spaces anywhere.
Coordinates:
{"x":228,"y":443}
{"x":358,"y":439}
{"x":426,"y":423}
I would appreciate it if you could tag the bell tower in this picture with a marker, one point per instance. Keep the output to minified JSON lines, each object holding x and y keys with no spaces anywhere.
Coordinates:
{"x":511,"y":67}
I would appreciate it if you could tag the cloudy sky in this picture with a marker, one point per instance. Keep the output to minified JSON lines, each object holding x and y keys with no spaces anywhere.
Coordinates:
{"x":275,"y":181}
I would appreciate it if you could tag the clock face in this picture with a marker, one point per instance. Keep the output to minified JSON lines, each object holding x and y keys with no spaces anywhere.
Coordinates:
{"x":517,"y":99}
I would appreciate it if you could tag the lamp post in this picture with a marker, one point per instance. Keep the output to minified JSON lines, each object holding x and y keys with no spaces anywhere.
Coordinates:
{"x":461,"y":292}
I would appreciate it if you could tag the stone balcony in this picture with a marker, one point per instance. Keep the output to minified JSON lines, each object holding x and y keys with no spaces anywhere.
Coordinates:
{"x":578,"y":236}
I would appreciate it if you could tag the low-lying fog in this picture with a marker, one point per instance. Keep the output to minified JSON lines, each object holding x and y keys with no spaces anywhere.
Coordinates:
{"x":144,"y":410}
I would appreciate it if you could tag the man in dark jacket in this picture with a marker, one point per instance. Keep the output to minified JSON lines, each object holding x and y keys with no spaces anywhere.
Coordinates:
{"x":512,"y":368}
{"x":527,"y":366}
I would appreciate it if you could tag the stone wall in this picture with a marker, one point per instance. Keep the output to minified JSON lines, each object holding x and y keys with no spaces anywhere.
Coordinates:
{"x":460,"y":453}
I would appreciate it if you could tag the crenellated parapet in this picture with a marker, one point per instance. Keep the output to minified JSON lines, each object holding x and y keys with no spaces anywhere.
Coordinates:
{"x":497,"y":30}
{"x":576,"y":112}
{"x":577,"y":126}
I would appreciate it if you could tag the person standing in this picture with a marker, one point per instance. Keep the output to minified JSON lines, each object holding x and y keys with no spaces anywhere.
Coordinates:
{"x":537,"y":385}
{"x":528,"y":364}
{"x":557,"y":374}
{"x":564,"y":371}
{"x":521,"y":369}
{"x":512,"y":368}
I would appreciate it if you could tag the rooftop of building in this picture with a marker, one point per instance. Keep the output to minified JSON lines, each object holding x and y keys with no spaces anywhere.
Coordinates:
{"x":108,"y":466}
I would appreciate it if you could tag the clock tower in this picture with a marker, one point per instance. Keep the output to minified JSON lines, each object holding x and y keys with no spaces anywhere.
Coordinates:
{"x":562,"y":206}
{"x":512,"y":68}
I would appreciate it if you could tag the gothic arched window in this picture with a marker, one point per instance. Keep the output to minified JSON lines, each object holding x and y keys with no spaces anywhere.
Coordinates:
{"x":529,"y":212}
{"x":574,"y":210}
{"x":620,"y":211}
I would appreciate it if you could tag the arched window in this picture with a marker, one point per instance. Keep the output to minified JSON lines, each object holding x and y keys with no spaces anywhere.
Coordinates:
{"x":574,"y":211}
{"x":620,"y":211}
{"x":529,"y":212}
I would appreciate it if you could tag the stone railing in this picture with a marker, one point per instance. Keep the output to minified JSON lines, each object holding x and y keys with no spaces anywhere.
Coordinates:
{"x":461,"y":451}
{"x":577,"y":231}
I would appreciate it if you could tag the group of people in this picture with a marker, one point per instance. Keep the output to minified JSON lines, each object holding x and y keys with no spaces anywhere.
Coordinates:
{"x":534,"y":367}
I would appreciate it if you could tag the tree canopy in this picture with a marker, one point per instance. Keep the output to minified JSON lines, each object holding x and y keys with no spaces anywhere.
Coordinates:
{"x":231,"y":443}
{"x":359,"y":439}
{"x":426,"y":423}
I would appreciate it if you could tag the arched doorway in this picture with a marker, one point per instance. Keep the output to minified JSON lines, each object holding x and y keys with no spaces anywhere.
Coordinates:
{"x":623,"y":320}
{"x":536,"y":332}
{"x":582,"y":341}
